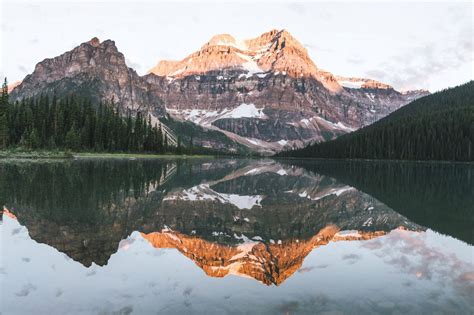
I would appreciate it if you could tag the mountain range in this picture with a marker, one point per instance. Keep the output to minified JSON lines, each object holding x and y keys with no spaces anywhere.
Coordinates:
{"x":264,"y":93}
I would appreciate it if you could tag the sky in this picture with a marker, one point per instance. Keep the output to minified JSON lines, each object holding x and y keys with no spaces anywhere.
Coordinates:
{"x":410,"y":45}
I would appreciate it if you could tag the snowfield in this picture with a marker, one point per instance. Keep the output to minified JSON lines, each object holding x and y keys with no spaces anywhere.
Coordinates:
{"x":205,"y":192}
{"x":246,"y":111}
{"x":322,"y":194}
{"x":205,"y":117}
{"x":351,"y":84}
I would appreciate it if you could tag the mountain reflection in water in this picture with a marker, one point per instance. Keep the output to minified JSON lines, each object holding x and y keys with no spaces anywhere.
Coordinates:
{"x":257,"y":219}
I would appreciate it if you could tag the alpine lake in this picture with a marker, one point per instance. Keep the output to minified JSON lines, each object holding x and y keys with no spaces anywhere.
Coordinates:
{"x":236,"y":236}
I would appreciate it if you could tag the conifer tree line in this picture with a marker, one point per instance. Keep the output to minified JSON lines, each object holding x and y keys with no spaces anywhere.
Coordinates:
{"x":77,"y":124}
{"x":3,"y":115}
{"x":436,"y":127}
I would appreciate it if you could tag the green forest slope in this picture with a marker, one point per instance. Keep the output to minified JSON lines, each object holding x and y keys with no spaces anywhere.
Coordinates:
{"x":439,"y":126}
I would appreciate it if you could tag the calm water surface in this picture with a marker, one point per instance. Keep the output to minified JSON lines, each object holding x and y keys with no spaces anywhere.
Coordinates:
{"x":236,"y":236}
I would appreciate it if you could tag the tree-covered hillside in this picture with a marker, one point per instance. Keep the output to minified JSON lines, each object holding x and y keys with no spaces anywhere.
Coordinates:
{"x":436,"y":127}
{"x":80,"y":124}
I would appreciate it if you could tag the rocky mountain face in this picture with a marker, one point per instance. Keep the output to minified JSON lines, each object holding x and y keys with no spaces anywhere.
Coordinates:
{"x":94,"y":69}
{"x":268,"y":94}
{"x":264,"y":93}
{"x":274,"y":51}
{"x":268,"y":263}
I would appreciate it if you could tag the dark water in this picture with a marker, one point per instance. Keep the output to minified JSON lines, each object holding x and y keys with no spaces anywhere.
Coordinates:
{"x":236,"y":236}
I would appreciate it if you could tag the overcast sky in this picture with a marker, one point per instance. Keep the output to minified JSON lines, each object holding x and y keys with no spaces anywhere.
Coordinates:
{"x":406,"y":44}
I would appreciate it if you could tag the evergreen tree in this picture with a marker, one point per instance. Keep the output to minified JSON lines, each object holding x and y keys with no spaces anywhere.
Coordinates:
{"x":33,"y":141}
{"x":4,"y":115}
{"x":165,"y":143}
{"x":160,"y":139}
{"x":72,"y":139}
{"x":178,"y":146}
{"x":77,"y":124}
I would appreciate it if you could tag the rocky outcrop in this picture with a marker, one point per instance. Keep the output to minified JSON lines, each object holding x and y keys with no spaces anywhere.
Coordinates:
{"x":274,"y":51}
{"x":94,"y":69}
{"x":269,"y":263}
{"x":358,"y":83}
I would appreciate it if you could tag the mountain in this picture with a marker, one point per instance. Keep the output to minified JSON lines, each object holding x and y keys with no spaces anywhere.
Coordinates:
{"x":267,"y":93}
{"x":94,"y":69}
{"x":274,"y":51}
{"x":97,"y":70}
{"x":264,"y":93}
{"x":269,"y":263}
{"x":436,"y":127}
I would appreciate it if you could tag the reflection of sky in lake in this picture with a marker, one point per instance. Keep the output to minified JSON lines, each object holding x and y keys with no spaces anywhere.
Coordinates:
{"x":404,"y":272}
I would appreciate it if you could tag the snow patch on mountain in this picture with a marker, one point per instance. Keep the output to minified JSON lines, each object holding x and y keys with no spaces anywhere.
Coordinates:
{"x":318,"y":195}
{"x":246,"y":111}
{"x":317,"y":121}
{"x":205,"y":192}
{"x":348,"y":233}
{"x":206,"y":117}
{"x":338,"y":125}
{"x":351,"y":84}
{"x":282,"y":172}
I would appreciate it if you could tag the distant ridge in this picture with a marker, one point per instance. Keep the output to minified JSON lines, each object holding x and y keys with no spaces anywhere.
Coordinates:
{"x":435,"y":127}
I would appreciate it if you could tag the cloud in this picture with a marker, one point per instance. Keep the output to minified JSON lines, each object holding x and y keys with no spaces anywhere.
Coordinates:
{"x":418,"y":65}
{"x":306,"y":269}
{"x":304,"y":9}
{"x":134,"y":65}
{"x":298,"y":8}
{"x":22,"y":69}
{"x":187,"y":291}
{"x":288,"y":307}
{"x":126,"y":243}
{"x":373,"y":244}
{"x":126,"y":310}
{"x":351,"y":258}
{"x":411,"y":253}
{"x":356,"y":60}
{"x":16,"y":231}
{"x":196,"y":19}
{"x":318,"y":48}
{"x":26,"y":290}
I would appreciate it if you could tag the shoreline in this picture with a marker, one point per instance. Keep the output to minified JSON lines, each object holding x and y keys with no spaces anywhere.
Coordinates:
{"x":66,"y":155}
{"x":136,"y":156}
